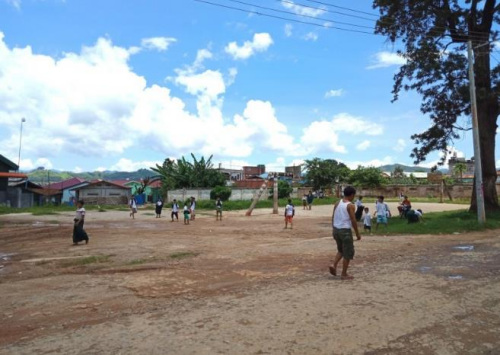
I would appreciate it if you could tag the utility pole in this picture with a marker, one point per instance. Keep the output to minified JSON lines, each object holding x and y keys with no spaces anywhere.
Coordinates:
{"x":275,"y":195}
{"x":478,"y":172}
{"x":20,"y":141}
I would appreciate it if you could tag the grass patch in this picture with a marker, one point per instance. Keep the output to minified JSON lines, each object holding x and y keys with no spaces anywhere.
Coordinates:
{"x":183,"y":255}
{"x":440,"y":223}
{"x":139,"y":261}
{"x":148,"y":214}
{"x":95,"y":259}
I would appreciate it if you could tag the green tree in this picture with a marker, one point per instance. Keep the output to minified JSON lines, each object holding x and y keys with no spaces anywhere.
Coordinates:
{"x":223,"y":192}
{"x":284,"y":189}
{"x":186,"y":174}
{"x":367,"y":177}
{"x":434,"y":36}
{"x":398,"y":172}
{"x":324,"y":173}
{"x":460,"y":169}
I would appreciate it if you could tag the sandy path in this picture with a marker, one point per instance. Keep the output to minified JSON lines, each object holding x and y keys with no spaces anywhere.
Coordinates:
{"x":244,"y":286}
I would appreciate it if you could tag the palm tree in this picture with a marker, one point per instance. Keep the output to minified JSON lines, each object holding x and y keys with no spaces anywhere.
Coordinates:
{"x":459,"y":169}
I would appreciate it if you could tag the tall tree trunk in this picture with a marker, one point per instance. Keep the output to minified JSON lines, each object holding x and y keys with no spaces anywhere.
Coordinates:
{"x":487,"y":110}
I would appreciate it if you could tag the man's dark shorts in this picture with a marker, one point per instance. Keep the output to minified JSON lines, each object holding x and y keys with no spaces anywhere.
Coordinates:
{"x":345,"y":243}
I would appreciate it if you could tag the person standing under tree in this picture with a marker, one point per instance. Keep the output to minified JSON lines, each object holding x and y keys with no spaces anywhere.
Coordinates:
{"x":289,"y":214}
{"x":79,"y":235}
{"x":343,"y":222}
{"x":158,"y":208}
{"x":218,"y":209}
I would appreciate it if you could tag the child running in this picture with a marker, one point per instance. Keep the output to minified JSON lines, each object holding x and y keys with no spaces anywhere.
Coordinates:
{"x":218,"y":209}
{"x":186,"y":214}
{"x":382,"y":212}
{"x":367,"y":221}
{"x":175,"y":211}
{"x":289,"y":214}
{"x":343,"y":221}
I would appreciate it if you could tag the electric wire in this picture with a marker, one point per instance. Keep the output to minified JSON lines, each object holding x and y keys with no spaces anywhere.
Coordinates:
{"x":284,"y":18}
{"x":302,"y":15}
{"x":249,"y":11}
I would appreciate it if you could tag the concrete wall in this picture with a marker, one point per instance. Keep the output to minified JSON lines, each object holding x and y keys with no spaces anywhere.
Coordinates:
{"x":237,"y":194}
{"x":20,"y":198}
{"x":390,"y":191}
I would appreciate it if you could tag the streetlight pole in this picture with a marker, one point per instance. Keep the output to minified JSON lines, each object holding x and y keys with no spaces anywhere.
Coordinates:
{"x":20,"y":141}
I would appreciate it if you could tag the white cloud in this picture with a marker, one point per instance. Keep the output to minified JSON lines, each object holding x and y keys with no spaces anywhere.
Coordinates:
{"x":129,"y":165}
{"x":374,"y":162}
{"x":334,"y":93}
{"x":278,"y":166}
{"x":364,"y":145}
{"x":288,"y":30}
{"x":400,"y":145}
{"x":28,"y":164}
{"x":344,"y":122}
{"x":77,"y":169}
{"x":310,"y":36}
{"x":15,"y":3}
{"x":231,"y":164}
{"x":323,"y":136}
{"x":93,"y":104}
{"x":302,"y":10}
{"x":157,"y":43}
{"x":260,"y":43}
{"x":386,"y":59}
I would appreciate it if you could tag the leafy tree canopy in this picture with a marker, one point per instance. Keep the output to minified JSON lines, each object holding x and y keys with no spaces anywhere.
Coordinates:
{"x":367,"y":177}
{"x":180,"y":173}
{"x":324,"y":173}
{"x":434,"y":34}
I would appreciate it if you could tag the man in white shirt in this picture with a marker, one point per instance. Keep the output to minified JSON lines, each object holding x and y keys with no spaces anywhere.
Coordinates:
{"x":343,"y":221}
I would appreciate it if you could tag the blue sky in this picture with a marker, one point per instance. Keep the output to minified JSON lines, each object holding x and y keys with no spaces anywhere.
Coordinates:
{"x":122,"y":85}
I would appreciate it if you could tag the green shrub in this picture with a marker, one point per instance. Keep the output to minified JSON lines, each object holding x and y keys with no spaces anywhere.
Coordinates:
{"x":284,"y":189}
{"x":223,"y":192}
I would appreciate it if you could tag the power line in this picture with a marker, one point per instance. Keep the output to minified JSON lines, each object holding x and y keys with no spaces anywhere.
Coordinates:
{"x":325,"y":10}
{"x":302,"y":15}
{"x":249,"y":11}
{"x":342,"y":7}
{"x":283,"y":18}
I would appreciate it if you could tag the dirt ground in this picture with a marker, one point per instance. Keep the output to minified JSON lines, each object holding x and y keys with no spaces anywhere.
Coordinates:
{"x":242,"y":286}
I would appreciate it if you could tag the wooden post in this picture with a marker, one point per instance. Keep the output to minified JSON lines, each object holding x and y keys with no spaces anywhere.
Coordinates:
{"x":256,"y":198}
{"x":441,"y":191}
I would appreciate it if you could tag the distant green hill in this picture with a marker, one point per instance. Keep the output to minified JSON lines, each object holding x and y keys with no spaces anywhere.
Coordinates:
{"x":45,"y":176}
{"x":410,"y":169}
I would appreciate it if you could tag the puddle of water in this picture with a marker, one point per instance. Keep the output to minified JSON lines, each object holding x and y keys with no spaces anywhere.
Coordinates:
{"x":425,"y":268}
{"x":455,"y":277}
{"x":464,"y":247}
{"x":6,"y":257}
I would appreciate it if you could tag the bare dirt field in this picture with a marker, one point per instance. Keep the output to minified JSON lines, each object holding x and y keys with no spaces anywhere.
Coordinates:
{"x":242,"y":286}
